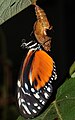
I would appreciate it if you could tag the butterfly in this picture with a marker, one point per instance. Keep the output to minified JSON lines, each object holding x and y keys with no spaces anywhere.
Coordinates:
{"x":34,"y":85}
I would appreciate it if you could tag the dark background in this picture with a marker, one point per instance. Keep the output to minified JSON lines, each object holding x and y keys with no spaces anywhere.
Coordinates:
{"x":60,"y":14}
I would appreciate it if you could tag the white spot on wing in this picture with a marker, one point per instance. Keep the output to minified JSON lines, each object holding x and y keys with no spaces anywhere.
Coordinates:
{"x":37,"y":96}
{"x":54,"y":72}
{"x":51,"y":78}
{"x":18,"y":95}
{"x":19,"y":102}
{"x":22,"y":100}
{"x":45,"y":86}
{"x":46,"y":95}
{"x":55,"y":77}
{"x":50,"y":81}
{"x":54,"y":69}
{"x":34,"y":111}
{"x":39,"y":107}
{"x":26,"y":86}
{"x":48,"y":89}
{"x":26,"y":109}
{"x":28,"y":103}
{"x":43,"y":102}
{"x":19,"y":83}
{"x":54,"y":66}
{"x":32,"y":89}
{"x":35,"y":104}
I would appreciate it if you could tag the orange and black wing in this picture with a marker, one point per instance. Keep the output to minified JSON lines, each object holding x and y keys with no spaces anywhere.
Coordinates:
{"x":37,"y":69}
{"x":35,"y":83}
{"x":41,"y":69}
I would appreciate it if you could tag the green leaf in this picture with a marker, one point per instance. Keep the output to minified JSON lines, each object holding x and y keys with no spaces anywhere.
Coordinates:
{"x":65,"y":100}
{"x":9,"y":8}
{"x":72,"y":70}
{"x":21,"y":118}
{"x":63,"y":107}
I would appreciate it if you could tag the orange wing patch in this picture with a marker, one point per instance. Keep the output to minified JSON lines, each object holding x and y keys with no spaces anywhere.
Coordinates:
{"x":41,"y":69}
